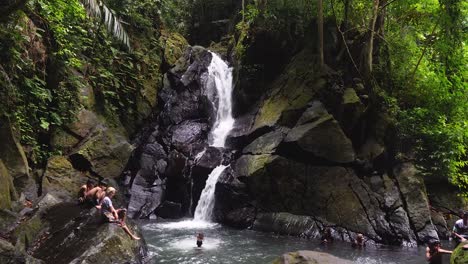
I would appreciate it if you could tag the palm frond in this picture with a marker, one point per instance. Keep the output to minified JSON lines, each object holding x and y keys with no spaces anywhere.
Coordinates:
{"x":97,"y":8}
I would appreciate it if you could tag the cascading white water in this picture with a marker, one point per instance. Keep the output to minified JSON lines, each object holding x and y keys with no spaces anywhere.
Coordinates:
{"x":220,"y":75}
{"x":220,"y":78}
{"x":204,"y":210}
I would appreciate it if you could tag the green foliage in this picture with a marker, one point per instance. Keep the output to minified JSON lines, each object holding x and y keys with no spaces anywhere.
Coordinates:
{"x":53,"y":50}
{"x":428,"y":70}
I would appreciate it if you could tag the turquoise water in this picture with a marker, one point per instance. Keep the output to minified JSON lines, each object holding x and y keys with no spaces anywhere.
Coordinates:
{"x":174,"y":242}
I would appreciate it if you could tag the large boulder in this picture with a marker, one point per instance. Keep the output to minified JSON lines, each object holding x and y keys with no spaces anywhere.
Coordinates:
{"x":13,"y":156}
{"x":74,"y":234}
{"x":334,"y":194}
{"x":324,"y":139}
{"x":310,"y":257}
{"x":414,"y":194}
{"x":7,"y":189}
{"x":61,"y":179}
{"x":290,"y":93}
{"x":107,"y":150}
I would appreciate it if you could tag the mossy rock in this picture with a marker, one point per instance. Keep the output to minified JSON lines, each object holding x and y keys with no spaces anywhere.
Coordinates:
{"x":28,"y":231}
{"x":61,"y":179}
{"x":108,"y":151}
{"x":249,"y":165}
{"x":309,"y":257}
{"x":7,"y":189}
{"x":174,"y":46}
{"x":13,"y":156}
{"x":77,"y":234}
{"x":293,"y":90}
{"x":459,"y":255}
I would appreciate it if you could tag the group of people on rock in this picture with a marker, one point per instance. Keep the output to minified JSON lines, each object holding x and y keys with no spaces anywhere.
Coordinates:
{"x":100,"y":196}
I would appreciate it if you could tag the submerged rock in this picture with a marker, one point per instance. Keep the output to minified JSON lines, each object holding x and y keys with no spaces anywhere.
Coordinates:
{"x":309,"y":257}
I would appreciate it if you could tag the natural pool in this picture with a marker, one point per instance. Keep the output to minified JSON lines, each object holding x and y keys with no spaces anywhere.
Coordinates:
{"x":174,"y":242}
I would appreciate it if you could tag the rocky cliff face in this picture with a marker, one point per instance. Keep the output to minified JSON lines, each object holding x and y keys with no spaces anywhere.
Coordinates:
{"x":169,"y":169}
{"x":310,"y":154}
{"x":299,"y":154}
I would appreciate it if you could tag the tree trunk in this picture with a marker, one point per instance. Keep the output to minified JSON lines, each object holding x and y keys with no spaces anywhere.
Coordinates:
{"x":347,"y":4}
{"x":320,"y":33}
{"x":370,"y":49}
{"x":243,"y":10}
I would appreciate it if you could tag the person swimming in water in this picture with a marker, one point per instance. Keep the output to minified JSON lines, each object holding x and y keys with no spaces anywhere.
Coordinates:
{"x":359,"y":242}
{"x":200,"y":238}
{"x":434,"y":252}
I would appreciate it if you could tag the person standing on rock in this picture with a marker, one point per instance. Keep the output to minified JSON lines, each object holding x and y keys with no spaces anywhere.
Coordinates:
{"x":434,"y":252}
{"x":111,"y":215}
{"x":461,"y":227}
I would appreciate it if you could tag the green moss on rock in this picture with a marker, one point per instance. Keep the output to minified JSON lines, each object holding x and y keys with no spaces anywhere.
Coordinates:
{"x":7,"y":189}
{"x":459,"y":255}
{"x":293,"y":90}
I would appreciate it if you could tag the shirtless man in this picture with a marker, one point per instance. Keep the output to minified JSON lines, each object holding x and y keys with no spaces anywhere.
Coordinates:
{"x":96,"y":194}
{"x":434,"y":252}
{"x":82,"y":193}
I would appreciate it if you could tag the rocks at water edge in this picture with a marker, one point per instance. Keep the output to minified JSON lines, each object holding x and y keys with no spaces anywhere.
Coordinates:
{"x":459,"y":255}
{"x":309,"y":257}
{"x":70,"y":233}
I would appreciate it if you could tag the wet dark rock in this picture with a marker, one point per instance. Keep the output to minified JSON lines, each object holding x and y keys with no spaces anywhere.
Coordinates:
{"x":169,"y":210}
{"x":413,"y":191}
{"x":324,"y":139}
{"x":146,"y":197}
{"x":233,"y":203}
{"x":267,"y":143}
{"x":187,"y":135}
{"x":164,"y":167}
{"x":210,"y":158}
{"x":75,"y":234}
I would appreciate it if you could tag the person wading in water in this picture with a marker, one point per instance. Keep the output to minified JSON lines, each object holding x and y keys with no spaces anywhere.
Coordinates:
{"x":434,"y":252}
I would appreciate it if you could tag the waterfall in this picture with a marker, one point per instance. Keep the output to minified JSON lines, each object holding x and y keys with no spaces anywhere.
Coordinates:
{"x":220,"y":75}
{"x":204,"y":210}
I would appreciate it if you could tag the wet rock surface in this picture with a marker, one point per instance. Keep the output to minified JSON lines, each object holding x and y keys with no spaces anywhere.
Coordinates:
{"x":76,"y":234}
{"x":165,"y":164}
{"x":309,"y":257}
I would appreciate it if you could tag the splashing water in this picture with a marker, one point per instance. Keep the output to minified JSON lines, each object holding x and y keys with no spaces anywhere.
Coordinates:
{"x":204,"y":210}
{"x":220,"y":75}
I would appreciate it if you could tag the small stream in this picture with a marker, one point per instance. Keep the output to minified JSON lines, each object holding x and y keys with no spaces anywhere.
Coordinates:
{"x":174,"y":242}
